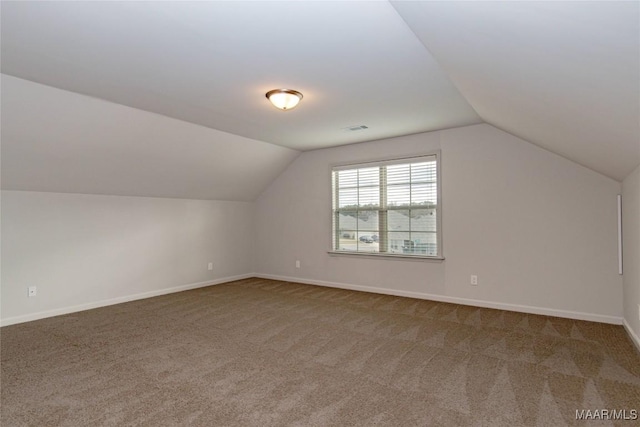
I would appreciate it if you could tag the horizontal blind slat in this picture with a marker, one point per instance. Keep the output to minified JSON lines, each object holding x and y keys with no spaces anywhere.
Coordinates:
{"x":409,"y":218}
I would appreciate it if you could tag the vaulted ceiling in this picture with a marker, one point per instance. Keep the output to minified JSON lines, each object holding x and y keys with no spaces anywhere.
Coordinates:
{"x":562,"y":75}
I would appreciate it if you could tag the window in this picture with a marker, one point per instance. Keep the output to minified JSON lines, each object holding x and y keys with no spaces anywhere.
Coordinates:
{"x":388,"y":208}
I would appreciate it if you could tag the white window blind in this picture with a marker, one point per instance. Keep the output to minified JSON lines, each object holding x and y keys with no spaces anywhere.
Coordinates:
{"x":389,"y":207}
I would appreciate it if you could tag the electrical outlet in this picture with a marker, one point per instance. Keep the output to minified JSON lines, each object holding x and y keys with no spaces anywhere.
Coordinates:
{"x":210,"y":266}
{"x":33,"y":291}
{"x":638,"y":311}
{"x":474,"y":280}
{"x":297,"y":263}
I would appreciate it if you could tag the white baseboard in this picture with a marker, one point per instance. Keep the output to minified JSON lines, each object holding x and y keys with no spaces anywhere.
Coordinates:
{"x":632,"y":334}
{"x":455,"y":300}
{"x":73,"y":309}
{"x":433,"y":297}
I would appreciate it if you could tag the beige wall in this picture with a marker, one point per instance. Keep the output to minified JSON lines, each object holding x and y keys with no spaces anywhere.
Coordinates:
{"x":537,"y":229}
{"x":83,"y":251}
{"x":631,"y":245}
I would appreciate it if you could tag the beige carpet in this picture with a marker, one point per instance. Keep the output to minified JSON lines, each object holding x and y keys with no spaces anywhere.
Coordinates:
{"x":266,"y":353}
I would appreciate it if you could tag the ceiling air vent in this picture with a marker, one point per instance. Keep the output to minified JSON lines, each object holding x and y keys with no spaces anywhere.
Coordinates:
{"x":355,"y":128}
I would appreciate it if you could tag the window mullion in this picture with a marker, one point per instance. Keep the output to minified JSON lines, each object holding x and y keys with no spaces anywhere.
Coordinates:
{"x":336,"y":211}
{"x":410,"y":201}
{"x":383,"y":238}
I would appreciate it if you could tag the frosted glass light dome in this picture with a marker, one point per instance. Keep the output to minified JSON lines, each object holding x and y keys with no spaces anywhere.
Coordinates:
{"x":284,"y":99}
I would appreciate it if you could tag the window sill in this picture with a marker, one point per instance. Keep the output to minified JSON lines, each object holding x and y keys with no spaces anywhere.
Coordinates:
{"x":387,"y":256}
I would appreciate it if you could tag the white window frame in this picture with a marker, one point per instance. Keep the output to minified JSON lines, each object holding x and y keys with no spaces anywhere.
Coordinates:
{"x":390,"y":161}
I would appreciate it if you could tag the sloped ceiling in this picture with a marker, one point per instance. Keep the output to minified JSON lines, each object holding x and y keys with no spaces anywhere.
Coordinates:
{"x":211,"y":63}
{"x":59,"y":141}
{"x":562,"y":75}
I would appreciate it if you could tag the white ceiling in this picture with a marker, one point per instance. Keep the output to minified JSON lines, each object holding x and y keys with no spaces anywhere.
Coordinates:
{"x":211,"y":63}
{"x":562,"y":75}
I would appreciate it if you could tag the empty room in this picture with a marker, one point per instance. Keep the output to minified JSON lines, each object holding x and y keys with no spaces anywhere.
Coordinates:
{"x":312,"y":213}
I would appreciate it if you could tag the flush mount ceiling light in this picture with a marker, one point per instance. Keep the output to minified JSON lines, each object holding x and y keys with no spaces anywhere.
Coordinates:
{"x":284,"y":99}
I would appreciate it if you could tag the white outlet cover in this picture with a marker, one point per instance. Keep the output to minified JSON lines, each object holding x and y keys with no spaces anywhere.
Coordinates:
{"x":210,"y":266}
{"x":33,"y":291}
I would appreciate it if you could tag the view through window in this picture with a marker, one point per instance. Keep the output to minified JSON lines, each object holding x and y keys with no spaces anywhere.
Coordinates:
{"x":388,"y":207}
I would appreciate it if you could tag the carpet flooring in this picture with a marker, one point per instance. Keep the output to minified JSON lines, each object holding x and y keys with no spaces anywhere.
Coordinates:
{"x":267,"y":353}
